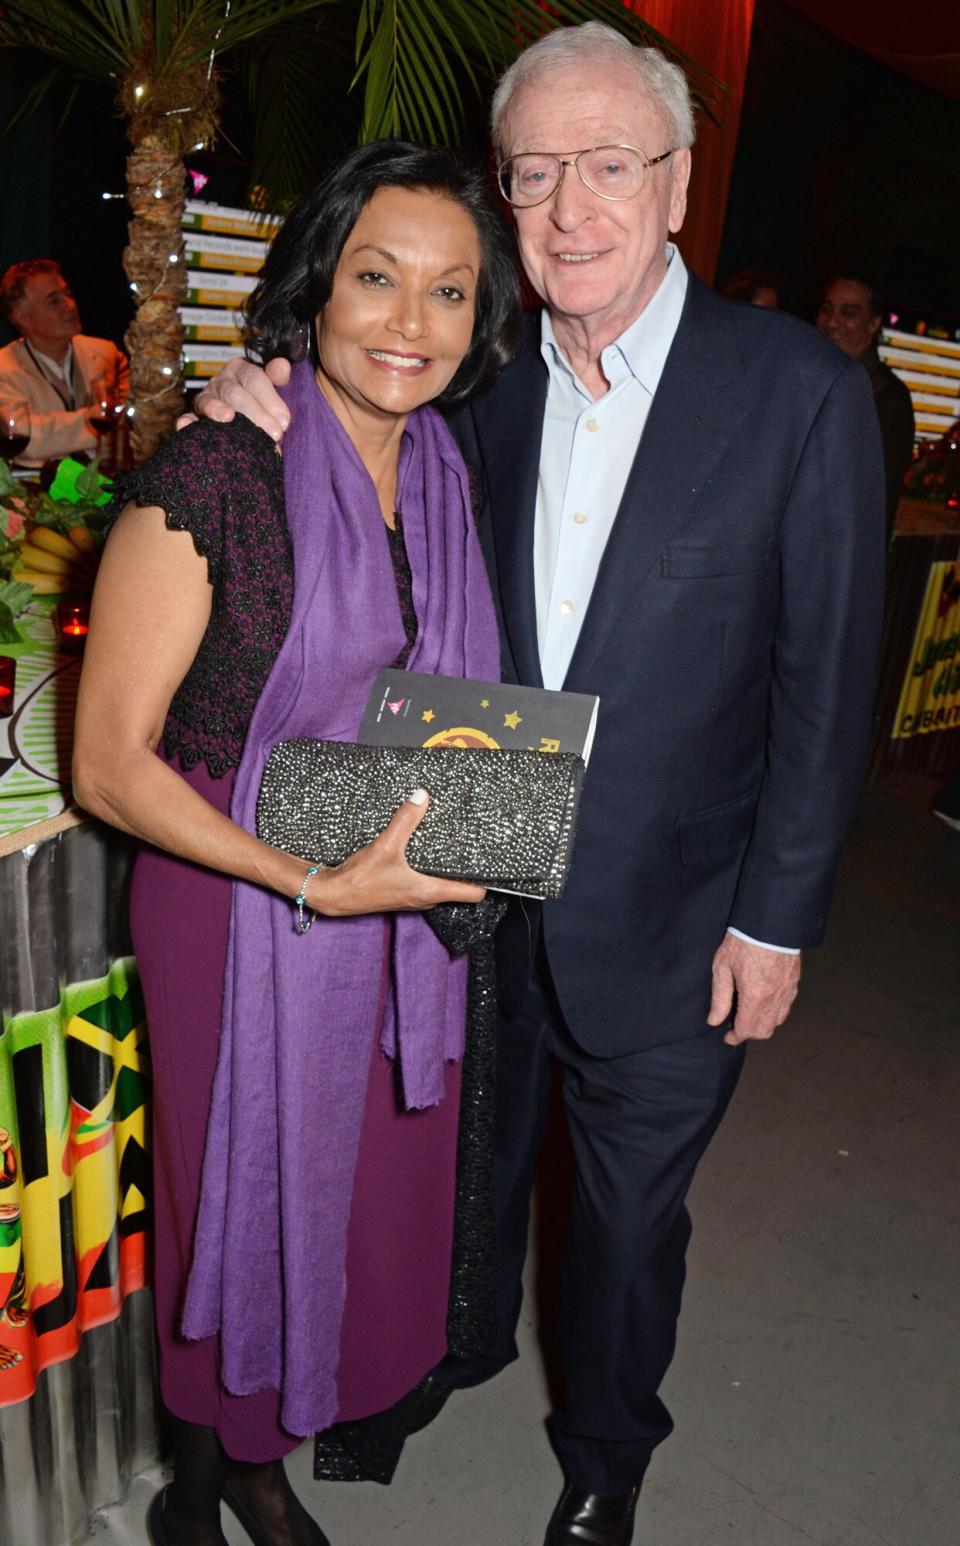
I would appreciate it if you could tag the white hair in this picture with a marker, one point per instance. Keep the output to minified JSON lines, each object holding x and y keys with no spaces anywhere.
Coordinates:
{"x":659,"y":79}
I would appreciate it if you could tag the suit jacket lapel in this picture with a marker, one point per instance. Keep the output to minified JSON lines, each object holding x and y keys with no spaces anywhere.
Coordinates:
{"x":511,"y":434}
{"x":694,"y":413}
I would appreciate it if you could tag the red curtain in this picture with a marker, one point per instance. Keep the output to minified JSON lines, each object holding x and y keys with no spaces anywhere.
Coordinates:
{"x":920,"y":40}
{"x":717,"y":36}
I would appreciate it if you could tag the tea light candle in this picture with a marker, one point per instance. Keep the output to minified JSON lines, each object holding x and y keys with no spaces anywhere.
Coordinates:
{"x":73,"y":624}
{"x":8,"y":682}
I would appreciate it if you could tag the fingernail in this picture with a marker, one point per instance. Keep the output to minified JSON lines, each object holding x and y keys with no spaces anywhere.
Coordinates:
{"x":419,"y":797}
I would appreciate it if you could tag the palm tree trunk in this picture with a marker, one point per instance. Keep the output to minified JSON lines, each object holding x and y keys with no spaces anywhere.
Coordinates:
{"x":153,"y":262}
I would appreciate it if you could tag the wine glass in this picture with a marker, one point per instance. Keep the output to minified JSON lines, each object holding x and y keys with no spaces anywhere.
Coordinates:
{"x":105,"y":415}
{"x":14,"y":433}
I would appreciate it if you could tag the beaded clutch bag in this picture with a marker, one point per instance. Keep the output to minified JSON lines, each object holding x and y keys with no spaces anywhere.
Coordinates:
{"x":503,"y":819}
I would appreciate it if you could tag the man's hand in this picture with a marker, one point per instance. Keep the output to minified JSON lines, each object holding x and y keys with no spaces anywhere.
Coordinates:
{"x":242,"y":387}
{"x":765,"y":983}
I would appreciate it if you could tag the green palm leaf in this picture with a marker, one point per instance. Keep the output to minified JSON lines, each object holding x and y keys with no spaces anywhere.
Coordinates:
{"x":403,"y":46}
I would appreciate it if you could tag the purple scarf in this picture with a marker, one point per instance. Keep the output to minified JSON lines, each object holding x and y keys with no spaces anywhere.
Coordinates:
{"x":299,"y":1011}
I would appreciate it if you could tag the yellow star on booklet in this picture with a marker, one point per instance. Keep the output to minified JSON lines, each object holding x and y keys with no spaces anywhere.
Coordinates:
{"x":512,"y":720}
{"x":428,"y":716}
{"x":484,"y":703}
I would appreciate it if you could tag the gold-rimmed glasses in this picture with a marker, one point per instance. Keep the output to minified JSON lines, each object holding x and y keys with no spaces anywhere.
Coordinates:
{"x":610,"y":171}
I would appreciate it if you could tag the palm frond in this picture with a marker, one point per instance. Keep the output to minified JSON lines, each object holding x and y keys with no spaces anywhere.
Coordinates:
{"x":405,"y":81}
{"x":409,"y":86}
{"x":76,"y":35}
{"x":34,"y":97}
{"x":206,"y":25}
{"x":294,"y":82}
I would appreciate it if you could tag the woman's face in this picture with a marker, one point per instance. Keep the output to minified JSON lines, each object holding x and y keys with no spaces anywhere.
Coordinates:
{"x":400,"y":315}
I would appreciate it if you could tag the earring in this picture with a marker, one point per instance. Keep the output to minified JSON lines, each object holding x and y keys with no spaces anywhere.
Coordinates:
{"x":300,"y":343}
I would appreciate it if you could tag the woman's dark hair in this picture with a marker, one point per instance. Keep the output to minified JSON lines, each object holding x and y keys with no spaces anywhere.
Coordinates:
{"x":297,"y":277}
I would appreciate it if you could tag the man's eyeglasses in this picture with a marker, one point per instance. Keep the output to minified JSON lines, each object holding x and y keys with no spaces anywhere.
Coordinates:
{"x":610,"y":171}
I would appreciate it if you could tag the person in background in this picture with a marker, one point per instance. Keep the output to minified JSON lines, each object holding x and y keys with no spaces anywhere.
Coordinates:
{"x":851,"y":315}
{"x":752,"y":287}
{"x":54,"y":369}
{"x":683,"y":513}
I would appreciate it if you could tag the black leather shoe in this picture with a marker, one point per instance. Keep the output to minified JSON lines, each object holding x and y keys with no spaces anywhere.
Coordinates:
{"x":590,"y":1519}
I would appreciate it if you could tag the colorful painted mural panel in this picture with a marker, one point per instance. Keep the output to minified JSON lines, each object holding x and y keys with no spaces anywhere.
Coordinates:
{"x":74,"y":1171}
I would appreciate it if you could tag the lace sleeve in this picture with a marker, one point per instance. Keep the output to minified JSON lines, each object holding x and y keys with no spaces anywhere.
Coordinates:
{"x":187,"y":478}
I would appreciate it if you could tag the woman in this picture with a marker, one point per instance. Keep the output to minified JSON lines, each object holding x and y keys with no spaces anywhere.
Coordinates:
{"x":242,"y":600}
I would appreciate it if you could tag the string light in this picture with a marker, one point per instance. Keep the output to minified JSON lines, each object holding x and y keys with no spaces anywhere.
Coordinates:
{"x":138,"y":92}
{"x":113,"y":195}
{"x":216,"y":39}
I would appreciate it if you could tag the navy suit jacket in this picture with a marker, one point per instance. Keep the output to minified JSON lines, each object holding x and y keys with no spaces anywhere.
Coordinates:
{"x":731,"y":637}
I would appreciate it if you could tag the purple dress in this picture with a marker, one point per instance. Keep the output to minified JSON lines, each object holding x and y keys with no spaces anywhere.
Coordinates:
{"x":401,"y":1222}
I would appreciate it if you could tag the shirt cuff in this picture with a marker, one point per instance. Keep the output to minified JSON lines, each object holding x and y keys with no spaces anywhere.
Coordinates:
{"x":785,"y":950}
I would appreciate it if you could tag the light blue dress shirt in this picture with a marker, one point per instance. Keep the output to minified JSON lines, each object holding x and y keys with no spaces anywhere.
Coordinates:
{"x":586,"y":452}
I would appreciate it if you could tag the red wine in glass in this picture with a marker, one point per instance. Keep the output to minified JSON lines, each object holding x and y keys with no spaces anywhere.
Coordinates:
{"x":14,"y":435}
{"x":104,"y":417}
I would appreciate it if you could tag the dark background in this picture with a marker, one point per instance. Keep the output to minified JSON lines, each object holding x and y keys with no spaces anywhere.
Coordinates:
{"x":841,"y":163}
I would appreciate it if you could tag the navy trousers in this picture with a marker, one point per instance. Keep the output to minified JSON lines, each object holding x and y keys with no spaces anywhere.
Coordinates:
{"x":638,"y":1126}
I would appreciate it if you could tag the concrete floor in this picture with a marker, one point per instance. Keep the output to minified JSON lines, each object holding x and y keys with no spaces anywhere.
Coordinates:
{"x":816,"y":1387}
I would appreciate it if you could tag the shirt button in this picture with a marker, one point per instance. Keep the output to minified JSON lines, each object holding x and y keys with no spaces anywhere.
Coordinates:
{"x":593,"y":425}
{"x":580,"y":517}
{"x":566,"y":607}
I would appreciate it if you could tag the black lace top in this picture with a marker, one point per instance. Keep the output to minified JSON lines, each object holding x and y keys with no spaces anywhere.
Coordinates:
{"x":224,"y":484}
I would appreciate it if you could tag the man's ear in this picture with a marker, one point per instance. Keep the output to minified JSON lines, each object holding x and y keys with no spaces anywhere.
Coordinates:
{"x":680,"y":163}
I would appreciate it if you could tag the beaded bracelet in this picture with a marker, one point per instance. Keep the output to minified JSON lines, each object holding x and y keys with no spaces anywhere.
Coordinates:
{"x":304,"y":925}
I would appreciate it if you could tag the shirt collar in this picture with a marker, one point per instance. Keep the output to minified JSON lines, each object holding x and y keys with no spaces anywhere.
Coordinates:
{"x":62,"y":372}
{"x":645,"y":344}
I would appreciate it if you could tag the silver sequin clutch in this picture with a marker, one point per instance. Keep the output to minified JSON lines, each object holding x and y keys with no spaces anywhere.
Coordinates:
{"x":503,"y":819}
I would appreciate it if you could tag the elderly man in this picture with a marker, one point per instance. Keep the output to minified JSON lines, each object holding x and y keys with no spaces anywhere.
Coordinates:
{"x":54,"y":370}
{"x":682,"y":512}
{"x":851,"y":315}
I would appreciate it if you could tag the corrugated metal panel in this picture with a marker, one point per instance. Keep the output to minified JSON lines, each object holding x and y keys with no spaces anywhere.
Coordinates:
{"x":89,"y":1427}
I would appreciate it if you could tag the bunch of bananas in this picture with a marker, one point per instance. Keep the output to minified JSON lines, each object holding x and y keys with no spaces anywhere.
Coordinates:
{"x":52,"y":563}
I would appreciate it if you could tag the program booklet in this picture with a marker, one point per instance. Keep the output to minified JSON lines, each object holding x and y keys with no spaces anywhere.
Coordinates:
{"x":411,"y":708}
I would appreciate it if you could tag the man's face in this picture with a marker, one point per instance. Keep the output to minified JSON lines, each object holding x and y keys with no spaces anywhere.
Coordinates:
{"x":47,"y":313}
{"x":592,"y":259}
{"x":845,"y":316}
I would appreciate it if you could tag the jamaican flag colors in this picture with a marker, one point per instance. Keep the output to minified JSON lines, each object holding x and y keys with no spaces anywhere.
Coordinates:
{"x":74,"y":1171}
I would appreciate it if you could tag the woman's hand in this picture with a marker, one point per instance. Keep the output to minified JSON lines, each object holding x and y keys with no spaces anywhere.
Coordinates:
{"x":378,"y":878}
